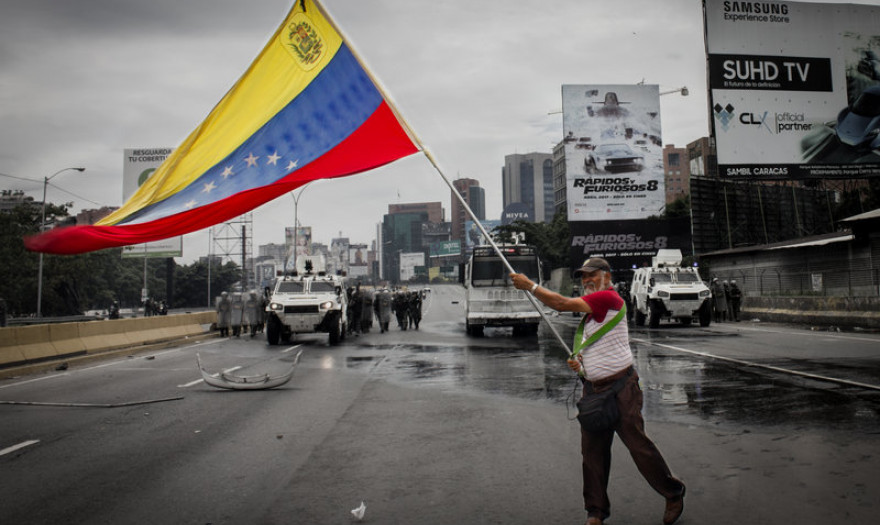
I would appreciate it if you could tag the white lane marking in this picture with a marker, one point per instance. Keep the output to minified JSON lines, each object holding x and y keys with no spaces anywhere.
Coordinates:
{"x":34,"y":380}
{"x":808,"y":333}
{"x":758,"y":365}
{"x":291,"y":348}
{"x":13,"y":448}
{"x":197,"y":381}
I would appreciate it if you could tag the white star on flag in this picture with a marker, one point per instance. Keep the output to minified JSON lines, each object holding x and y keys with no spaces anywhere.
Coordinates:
{"x":273,"y":159}
{"x":251,"y":160}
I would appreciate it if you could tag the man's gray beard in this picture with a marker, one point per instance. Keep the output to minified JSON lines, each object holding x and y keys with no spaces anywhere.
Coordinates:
{"x":589,"y":290}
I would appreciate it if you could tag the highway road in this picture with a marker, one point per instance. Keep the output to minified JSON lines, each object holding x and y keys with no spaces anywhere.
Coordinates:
{"x":765,"y":423}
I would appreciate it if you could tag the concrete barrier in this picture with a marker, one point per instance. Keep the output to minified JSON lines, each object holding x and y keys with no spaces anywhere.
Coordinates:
{"x":843,"y":312}
{"x":21,"y":345}
{"x":24,"y":343}
{"x":100,"y":336}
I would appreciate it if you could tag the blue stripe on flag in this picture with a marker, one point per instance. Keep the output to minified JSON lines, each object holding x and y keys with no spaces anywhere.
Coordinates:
{"x":332,"y":107}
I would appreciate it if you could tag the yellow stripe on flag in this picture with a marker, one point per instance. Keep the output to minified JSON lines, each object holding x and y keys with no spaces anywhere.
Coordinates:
{"x":285,"y":67}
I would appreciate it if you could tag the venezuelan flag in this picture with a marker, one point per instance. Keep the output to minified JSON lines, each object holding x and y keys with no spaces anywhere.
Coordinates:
{"x":306,"y":109}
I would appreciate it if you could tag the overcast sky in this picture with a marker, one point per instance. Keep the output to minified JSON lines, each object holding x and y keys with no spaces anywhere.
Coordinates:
{"x":82,"y":80}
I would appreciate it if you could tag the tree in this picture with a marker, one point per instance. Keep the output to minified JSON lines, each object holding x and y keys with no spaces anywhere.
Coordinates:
{"x":680,"y":207}
{"x":551,"y":239}
{"x":17,"y":265}
{"x":91,"y":281}
{"x":191,"y":286}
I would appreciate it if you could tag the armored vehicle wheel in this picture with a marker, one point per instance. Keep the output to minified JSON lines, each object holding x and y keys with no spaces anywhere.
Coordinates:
{"x":337,"y":328}
{"x":654,"y":314}
{"x":273,"y":330}
{"x":640,"y":318}
{"x":705,"y":313}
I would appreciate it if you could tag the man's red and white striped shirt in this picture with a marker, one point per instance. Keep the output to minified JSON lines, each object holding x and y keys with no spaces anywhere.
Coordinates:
{"x":611,"y":353}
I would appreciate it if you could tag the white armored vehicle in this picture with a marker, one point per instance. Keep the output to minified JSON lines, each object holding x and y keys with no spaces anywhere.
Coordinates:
{"x":307,"y":301}
{"x":666,"y":290}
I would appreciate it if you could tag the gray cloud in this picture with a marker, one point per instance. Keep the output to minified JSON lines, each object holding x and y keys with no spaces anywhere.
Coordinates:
{"x":82,"y":80}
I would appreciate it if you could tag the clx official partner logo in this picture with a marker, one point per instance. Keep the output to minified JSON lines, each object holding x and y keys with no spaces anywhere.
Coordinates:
{"x":726,"y":116}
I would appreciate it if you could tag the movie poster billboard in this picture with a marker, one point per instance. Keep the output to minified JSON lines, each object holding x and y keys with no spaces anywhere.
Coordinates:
{"x":357,"y":255}
{"x":628,"y":244}
{"x":300,"y":238}
{"x":137,"y":166}
{"x":794,"y":89}
{"x":473,"y":235}
{"x":613,"y":152}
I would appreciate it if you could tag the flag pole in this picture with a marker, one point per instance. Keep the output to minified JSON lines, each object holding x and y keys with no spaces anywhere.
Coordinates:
{"x":418,"y":142}
{"x":488,"y":237}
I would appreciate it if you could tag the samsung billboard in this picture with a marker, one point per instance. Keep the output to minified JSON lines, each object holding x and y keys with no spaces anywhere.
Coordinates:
{"x":794,"y":89}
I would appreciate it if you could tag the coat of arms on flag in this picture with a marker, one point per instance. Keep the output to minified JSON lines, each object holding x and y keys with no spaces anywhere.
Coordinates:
{"x":305,"y":109}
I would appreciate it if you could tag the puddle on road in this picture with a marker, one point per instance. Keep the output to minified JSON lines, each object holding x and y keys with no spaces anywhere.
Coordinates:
{"x":677,"y":387}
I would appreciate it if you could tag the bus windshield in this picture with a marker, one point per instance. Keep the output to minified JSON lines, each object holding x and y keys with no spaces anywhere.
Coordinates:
{"x":491,"y":271}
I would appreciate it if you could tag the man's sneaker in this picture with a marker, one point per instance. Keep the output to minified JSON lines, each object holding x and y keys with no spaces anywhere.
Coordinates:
{"x":674,"y":508}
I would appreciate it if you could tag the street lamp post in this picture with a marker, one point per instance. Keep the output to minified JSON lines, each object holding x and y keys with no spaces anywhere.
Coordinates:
{"x":296,"y":221}
{"x":43,"y":227}
{"x":683,"y":90}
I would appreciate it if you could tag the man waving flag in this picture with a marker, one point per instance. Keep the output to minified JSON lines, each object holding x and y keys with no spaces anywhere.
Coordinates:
{"x":306,"y":109}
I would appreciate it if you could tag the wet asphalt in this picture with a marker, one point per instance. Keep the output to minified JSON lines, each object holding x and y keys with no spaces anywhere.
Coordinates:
{"x":764,"y":423}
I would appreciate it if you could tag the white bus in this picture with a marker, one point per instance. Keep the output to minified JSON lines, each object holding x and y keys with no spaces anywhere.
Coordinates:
{"x":492,"y":300}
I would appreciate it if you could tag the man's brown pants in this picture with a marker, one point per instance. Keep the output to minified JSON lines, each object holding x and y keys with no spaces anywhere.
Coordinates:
{"x":596,"y":450}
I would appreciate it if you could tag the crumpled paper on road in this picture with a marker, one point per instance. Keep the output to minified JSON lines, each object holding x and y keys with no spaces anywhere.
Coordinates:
{"x":358,"y":513}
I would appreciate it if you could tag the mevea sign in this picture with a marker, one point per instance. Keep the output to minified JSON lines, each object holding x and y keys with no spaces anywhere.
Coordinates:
{"x":516,"y":211}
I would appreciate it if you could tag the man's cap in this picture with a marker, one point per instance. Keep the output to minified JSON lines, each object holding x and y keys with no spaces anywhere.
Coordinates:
{"x":592,"y":264}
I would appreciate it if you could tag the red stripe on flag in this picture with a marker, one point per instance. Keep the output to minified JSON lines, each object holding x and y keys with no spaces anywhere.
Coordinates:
{"x":378,"y":141}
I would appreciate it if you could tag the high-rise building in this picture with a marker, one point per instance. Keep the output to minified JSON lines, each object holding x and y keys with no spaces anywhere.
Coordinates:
{"x":475,"y":197}
{"x":560,"y":194}
{"x":528,"y":179}
{"x":677,"y":173}
{"x":433,"y":209}
{"x":402,"y":233}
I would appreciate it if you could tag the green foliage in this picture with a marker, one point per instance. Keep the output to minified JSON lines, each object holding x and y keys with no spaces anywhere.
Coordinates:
{"x":680,"y":207}
{"x":191,"y":283}
{"x":551,"y":239}
{"x":91,"y":281}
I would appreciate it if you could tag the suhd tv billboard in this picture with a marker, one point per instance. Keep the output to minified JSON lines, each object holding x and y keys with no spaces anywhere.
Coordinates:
{"x":794,"y":89}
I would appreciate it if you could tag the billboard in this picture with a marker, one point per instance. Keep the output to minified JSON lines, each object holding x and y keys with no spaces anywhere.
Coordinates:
{"x":357,"y":255}
{"x":409,"y":262}
{"x":613,"y":152}
{"x":517,"y":211}
{"x":137,"y":166}
{"x":794,"y":89}
{"x":473,"y":235}
{"x":446,"y":249}
{"x":301,"y":237}
{"x":628,"y":244}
